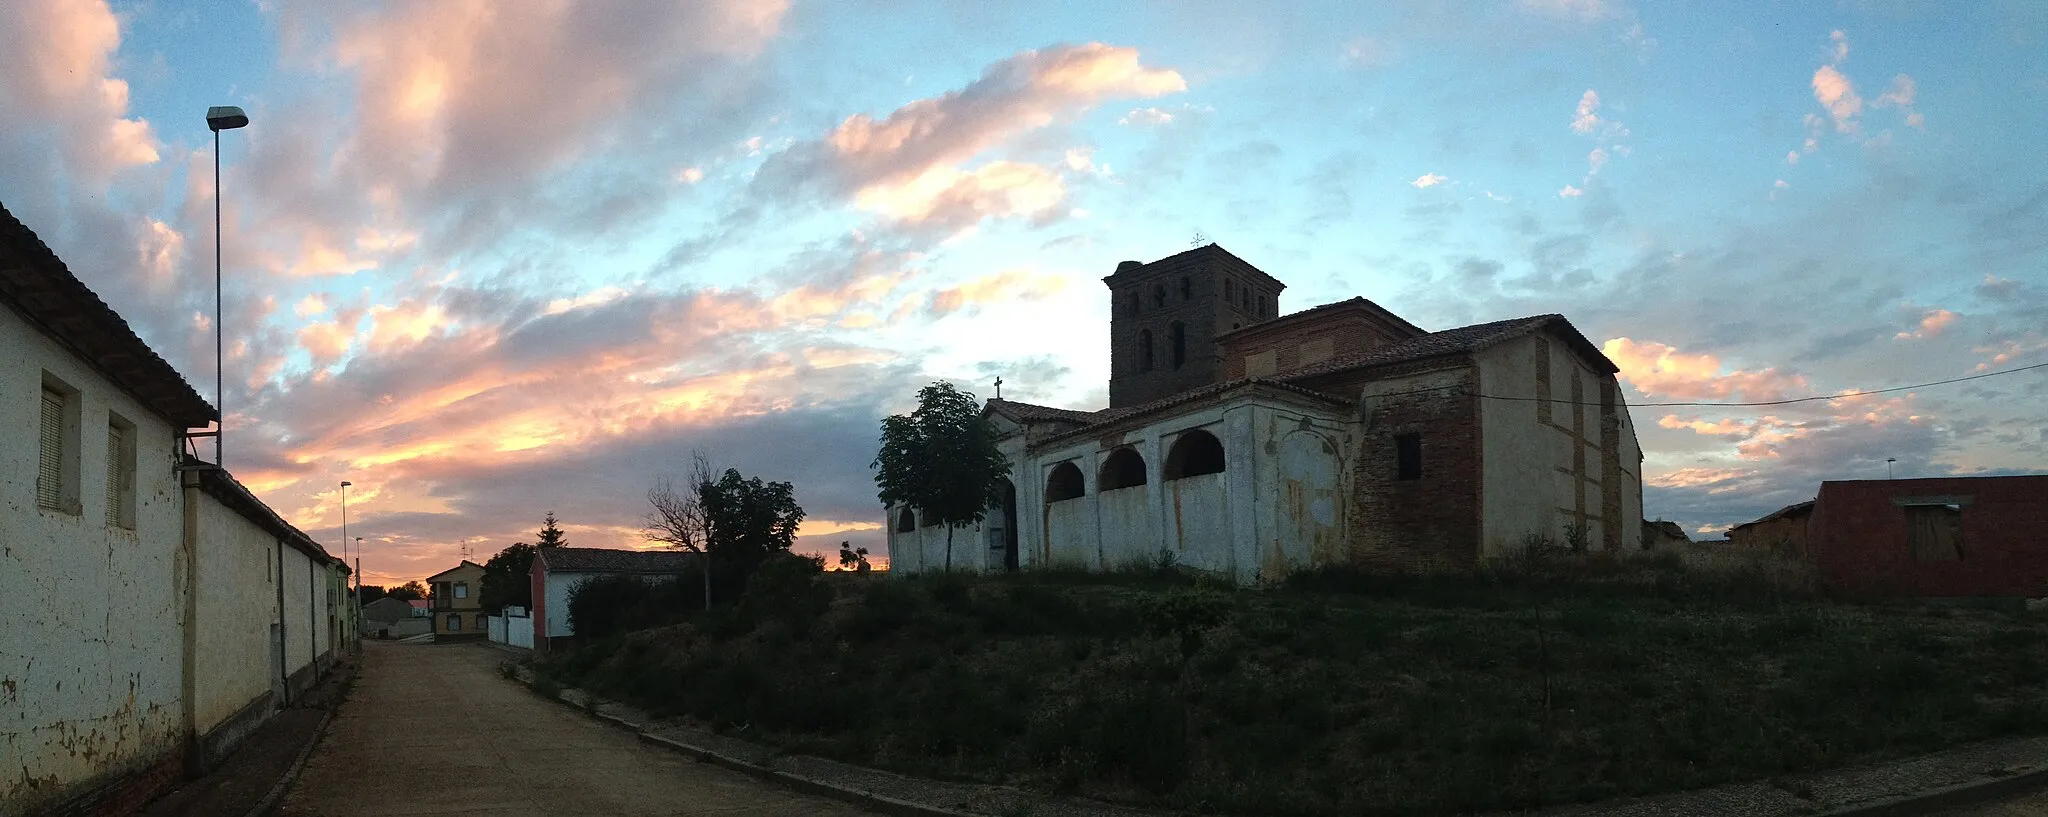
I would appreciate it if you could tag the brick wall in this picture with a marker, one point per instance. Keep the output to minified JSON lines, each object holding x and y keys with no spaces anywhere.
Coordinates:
{"x":1431,"y":523}
{"x":1201,"y":309}
{"x":1858,"y":540}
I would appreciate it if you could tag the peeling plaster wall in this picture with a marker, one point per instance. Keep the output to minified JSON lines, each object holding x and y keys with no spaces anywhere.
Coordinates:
{"x":90,"y":642}
{"x":1300,"y":459}
{"x":237,"y":603}
{"x":1549,"y":464}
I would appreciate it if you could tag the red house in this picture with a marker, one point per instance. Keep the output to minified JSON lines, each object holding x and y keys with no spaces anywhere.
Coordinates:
{"x":1945,"y":537}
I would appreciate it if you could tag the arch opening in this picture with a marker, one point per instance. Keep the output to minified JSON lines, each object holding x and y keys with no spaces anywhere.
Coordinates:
{"x":1193,"y":454}
{"x":1123,"y":468}
{"x":1064,"y":483}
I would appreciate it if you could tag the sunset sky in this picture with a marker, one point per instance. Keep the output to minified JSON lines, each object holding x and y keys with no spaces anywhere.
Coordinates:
{"x":487,"y":260}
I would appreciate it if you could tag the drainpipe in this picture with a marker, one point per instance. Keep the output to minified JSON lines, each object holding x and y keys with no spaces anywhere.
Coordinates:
{"x":189,"y":672}
{"x":283,"y":648}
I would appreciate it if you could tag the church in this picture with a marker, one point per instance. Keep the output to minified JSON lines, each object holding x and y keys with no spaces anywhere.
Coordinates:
{"x":1247,"y":444}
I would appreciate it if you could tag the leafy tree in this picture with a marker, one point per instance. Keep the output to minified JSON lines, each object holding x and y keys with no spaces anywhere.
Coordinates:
{"x":853,"y":558}
{"x":373,"y":592}
{"x":941,"y":459}
{"x":410,"y":591}
{"x":748,"y":521}
{"x":507,"y":575}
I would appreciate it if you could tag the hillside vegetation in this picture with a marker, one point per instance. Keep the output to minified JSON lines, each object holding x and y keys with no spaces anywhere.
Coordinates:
{"x":1339,"y":694}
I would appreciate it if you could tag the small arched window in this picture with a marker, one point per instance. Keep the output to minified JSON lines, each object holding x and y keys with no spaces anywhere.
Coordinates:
{"x":1178,"y":337}
{"x":906,"y":520}
{"x":1229,"y":289}
{"x":1158,"y":294}
{"x":1144,"y":350}
{"x":1187,"y":288}
{"x":1194,"y":453}
{"x":1123,"y":468}
{"x":1064,"y":483}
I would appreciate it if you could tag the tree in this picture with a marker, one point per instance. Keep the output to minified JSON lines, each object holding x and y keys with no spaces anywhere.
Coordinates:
{"x":853,"y":558}
{"x":941,"y":459}
{"x":678,"y":519}
{"x":550,"y":535}
{"x":748,"y":521}
{"x":507,"y":576}
{"x":410,"y":591}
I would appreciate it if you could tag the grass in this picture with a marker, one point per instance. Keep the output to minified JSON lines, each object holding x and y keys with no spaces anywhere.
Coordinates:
{"x":1346,"y":693}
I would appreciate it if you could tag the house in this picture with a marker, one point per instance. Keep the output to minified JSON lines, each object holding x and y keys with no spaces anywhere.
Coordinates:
{"x":1782,"y":531}
{"x":557,"y":570}
{"x":421,"y":608}
{"x":388,"y":618}
{"x":1248,"y":444}
{"x":1663,"y":534}
{"x":458,"y":613}
{"x":1937,"y":537}
{"x":154,"y":611}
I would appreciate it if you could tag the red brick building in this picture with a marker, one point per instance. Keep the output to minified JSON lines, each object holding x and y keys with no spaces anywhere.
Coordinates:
{"x":1943,"y":537}
{"x":1246,"y":443}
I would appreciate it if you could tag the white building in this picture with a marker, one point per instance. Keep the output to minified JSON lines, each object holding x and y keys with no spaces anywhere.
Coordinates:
{"x":1248,"y":444}
{"x":558,"y":570}
{"x":150,"y":614}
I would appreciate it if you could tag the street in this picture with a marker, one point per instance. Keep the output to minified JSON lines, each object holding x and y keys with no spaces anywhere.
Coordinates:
{"x":434,"y":730}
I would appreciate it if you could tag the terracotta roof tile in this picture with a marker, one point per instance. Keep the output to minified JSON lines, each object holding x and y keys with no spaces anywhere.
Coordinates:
{"x":1450,"y":341}
{"x":1028,"y":412}
{"x":36,"y":283}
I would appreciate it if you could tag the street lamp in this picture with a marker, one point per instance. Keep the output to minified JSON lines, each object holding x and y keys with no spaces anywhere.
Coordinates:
{"x":1888,"y":467}
{"x":219,"y":118}
{"x":359,"y":580}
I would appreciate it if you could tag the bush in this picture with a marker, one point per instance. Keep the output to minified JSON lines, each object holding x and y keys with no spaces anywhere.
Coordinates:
{"x":610,"y":605}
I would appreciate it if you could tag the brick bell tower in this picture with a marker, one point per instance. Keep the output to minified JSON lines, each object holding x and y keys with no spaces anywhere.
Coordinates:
{"x":1165,"y":316}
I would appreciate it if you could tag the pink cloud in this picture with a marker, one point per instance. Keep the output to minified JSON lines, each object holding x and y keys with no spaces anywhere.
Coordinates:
{"x":1661,"y":370}
{"x":1009,"y":285}
{"x":60,"y":54}
{"x":1838,"y":96}
{"x":1932,"y":322}
{"x":1428,"y":180}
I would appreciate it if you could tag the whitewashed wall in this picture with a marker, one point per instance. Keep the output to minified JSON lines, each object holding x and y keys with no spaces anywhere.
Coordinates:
{"x":90,"y":640}
{"x":237,"y":602}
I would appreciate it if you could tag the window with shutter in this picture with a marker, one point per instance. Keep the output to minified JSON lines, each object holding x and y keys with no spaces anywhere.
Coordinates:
{"x":117,"y":477}
{"x":50,"y":468}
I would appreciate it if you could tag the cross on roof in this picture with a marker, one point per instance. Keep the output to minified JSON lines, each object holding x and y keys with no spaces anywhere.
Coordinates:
{"x":999,"y":388}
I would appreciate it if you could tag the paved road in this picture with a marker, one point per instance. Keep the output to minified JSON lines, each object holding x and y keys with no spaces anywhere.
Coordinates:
{"x":2034,"y":804}
{"x":434,"y":730}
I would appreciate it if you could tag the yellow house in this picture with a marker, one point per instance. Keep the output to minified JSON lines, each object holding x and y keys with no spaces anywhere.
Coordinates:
{"x":458,"y":615}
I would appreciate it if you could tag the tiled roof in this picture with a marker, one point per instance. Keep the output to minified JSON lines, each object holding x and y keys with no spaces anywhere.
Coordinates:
{"x":35,"y":282}
{"x":1435,"y":344}
{"x":1793,"y":509}
{"x":1107,"y":416}
{"x":1028,"y":412}
{"x":599,"y":560}
{"x":1203,"y":256}
{"x":223,"y":486}
{"x":1311,"y":313}
{"x":464,"y":563}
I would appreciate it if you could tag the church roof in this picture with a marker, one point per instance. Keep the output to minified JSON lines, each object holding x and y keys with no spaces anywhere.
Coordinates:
{"x":1030,"y":413}
{"x":1108,"y":416}
{"x":1204,"y":256}
{"x":1358,"y":304}
{"x":1448,"y":342}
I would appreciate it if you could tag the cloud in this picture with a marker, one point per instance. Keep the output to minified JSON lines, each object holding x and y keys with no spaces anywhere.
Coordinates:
{"x":909,"y":164}
{"x":1581,"y":10}
{"x":1587,"y":118}
{"x":1428,"y":180}
{"x":690,"y":175}
{"x":1660,"y":370}
{"x":1367,"y":52}
{"x":1838,"y":96}
{"x":310,"y":305}
{"x":61,"y":56}
{"x":1838,"y":46}
{"x":1931,"y":325}
{"x":1146,"y":117}
{"x":1009,"y":285}
{"x":1570,"y":192}
{"x":1595,"y":159}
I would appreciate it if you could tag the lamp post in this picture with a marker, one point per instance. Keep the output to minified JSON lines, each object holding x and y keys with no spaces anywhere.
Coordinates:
{"x":219,"y":118}
{"x":344,"y":550}
{"x":1888,"y":467}
{"x":359,"y":578}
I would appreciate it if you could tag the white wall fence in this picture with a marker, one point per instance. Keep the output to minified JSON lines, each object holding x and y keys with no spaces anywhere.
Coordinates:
{"x":515,"y":629}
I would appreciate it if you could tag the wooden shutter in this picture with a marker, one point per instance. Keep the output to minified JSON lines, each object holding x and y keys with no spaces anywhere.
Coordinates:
{"x":117,"y":499}
{"x":50,"y":469}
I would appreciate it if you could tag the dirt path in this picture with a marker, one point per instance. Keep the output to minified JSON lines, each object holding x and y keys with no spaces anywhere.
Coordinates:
{"x":434,"y":730}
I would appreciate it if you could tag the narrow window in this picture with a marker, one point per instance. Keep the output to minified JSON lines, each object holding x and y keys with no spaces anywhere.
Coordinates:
{"x":1179,"y":334}
{"x":1407,"y":456}
{"x":906,"y":521}
{"x":1187,"y":288}
{"x":1934,"y":533}
{"x":50,"y":468}
{"x":462,"y":590}
{"x":454,"y":622}
{"x":1158,"y":294}
{"x":120,"y":473}
{"x":1144,"y":350}
{"x":1229,"y":290}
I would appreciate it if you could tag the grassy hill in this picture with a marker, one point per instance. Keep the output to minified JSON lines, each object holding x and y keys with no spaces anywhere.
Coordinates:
{"x":1341,"y":693}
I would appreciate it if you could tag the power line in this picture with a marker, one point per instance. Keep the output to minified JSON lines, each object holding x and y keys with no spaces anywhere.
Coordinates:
{"x":1725,"y":405}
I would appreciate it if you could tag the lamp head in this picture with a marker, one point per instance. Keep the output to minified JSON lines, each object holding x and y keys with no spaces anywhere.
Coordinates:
{"x":346,"y":483}
{"x":225,"y":117}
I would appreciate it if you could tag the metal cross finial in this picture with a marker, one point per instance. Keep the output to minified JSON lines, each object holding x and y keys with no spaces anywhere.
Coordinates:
{"x":1199,"y":239}
{"x":999,"y":388}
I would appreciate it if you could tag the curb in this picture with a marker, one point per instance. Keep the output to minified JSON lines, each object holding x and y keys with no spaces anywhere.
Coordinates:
{"x":1908,"y":805}
{"x":1947,"y":797}
{"x":291,"y":774}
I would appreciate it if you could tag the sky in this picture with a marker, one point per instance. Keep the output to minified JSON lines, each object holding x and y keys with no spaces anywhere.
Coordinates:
{"x":490,"y":260}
